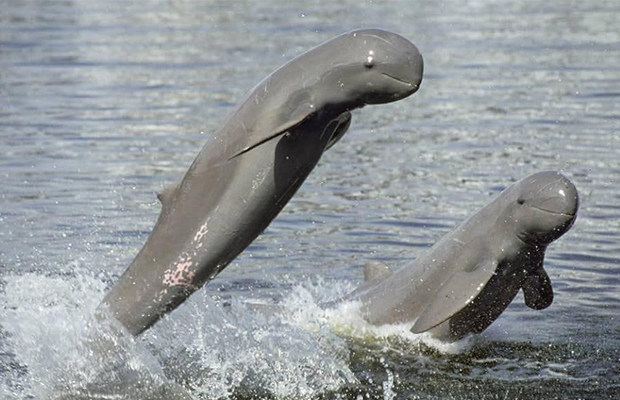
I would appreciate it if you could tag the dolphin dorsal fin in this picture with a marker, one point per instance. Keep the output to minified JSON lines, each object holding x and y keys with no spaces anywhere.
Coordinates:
{"x":537,"y":290}
{"x":375,"y":270}
{"x":456,"y":293}
{"x":166,"y":195}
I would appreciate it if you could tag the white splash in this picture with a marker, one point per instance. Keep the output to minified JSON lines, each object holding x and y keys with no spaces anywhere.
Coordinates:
{"x":207,"y":348}
{"x":303,"y":309}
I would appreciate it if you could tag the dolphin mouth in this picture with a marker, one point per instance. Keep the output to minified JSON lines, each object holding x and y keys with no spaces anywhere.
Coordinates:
{"x":555,"y":212}
{"x":411,"y":85}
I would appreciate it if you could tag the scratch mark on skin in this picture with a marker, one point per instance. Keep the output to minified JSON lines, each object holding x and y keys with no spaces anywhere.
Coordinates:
{"x":160,"y":296}
{"x":259,"y":179}
{"x":201,"y":233}
{"x":258,"y":97}
{"x":266,"y":88}
{"x":378,"y":37}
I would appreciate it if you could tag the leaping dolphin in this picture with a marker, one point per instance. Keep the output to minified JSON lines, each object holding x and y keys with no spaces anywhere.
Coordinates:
{"x":250,"y":167}
{"x":467,"y":279}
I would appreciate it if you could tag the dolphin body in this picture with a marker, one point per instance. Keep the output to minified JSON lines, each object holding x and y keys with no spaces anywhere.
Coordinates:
{"x":467,"y":279}
{"x":250,"y":167}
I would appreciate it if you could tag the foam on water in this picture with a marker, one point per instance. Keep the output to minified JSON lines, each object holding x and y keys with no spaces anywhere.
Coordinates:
{"x":207,"y":349}
{"x":51,"y":333}
{"x":303,"y":308}
{"x":227,"y":348}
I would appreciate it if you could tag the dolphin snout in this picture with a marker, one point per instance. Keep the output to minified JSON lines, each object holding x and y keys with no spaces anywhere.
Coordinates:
{"x":412,"y":70}
{"x":558,"y":196}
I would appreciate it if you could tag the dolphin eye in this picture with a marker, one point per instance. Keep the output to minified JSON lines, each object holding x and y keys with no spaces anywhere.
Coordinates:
{"x":369,"y":63}
{"x":521,"y":201}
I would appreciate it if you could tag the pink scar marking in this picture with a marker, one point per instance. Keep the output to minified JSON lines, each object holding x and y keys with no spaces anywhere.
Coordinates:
{"x":181,"y":275}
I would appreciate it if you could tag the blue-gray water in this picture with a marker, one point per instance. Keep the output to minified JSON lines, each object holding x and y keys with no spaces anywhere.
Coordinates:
{"x":102,"y":103}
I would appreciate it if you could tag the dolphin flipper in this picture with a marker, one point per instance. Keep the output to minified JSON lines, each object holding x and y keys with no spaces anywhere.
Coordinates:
{"x":303,"y":112}
{"x":537,"y":290}
{"x":458,"y":291}
{"x":375,"y":270}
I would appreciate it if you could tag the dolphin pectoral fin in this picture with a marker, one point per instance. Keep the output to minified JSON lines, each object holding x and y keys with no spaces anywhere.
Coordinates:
{"x":537,"y":290}
{"x":344,"y":122}
{"x":375,"y":270}
{"x":298,"y":116}
{"x":458,"y":291}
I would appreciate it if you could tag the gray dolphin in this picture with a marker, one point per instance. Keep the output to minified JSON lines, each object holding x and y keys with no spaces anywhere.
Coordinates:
{"x":467,"y":279}
{"x":249,"y":169}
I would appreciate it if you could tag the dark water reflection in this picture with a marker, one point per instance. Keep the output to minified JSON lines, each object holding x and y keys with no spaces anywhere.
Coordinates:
{"x":102,"y":103}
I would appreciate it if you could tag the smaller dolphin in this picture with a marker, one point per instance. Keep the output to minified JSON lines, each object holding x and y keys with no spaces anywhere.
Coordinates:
{"x":468,"y":278}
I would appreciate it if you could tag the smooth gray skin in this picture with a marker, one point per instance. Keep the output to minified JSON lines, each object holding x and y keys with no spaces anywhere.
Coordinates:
{"x":249,"y":169}
{"x":468,"y":278}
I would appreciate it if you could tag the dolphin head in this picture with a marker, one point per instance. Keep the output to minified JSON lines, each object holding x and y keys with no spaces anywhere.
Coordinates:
{"x":543,"y":206}
{"x":373,"y":66}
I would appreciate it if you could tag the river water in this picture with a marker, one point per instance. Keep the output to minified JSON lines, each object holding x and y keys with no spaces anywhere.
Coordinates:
{"x":102,"y":103}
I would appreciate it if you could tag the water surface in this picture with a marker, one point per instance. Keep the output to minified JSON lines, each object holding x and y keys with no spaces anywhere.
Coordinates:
{"x":103,"y":103}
